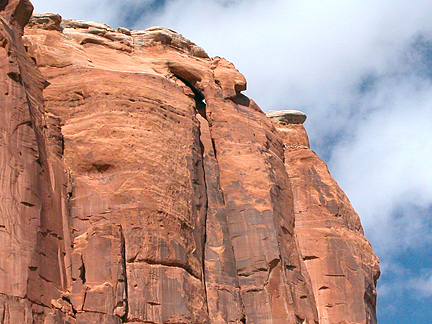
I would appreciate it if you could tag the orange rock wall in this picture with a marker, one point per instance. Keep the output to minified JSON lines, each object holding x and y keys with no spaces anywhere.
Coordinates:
{"x":34,"y":229}
{"x":144,"y":187}
{"x":340,"y":261}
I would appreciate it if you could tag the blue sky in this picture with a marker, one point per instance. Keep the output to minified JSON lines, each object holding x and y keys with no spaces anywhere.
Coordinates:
{"x":362,"y":72}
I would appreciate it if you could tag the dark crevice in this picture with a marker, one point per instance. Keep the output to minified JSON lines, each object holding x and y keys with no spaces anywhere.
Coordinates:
{"x":299,"y":320}
{"x":82,"y":271}
{"x":205,"y":226}
{"x":272,"y":264}
{"x":3,"y":4}
{"x":132,"y":259}
{"x":62,"y":143}
{"x":27,"y":204}
{"x":124,"y":275}
{"x":286,"y":231}
{"x":200,"y":107}
{"x":252,"y":290}
{"x":101,"y":167}
{"x":214,"y":147}
{"x":67,"y":300}
{"x":167,"y":263}
{"x":335,"y":275}
{"x":15,"y":76}
{"x":153,"y":303}
{"x":45,"y":279}
{"x":27,"y":122}
{"x":324,"y":288}
{"x":198,"y":96}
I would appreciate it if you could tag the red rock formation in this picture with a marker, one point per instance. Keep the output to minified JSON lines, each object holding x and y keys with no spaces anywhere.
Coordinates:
{"x":34,"y":231}
{"x":340,"y":261}
{"x":150,"y":190}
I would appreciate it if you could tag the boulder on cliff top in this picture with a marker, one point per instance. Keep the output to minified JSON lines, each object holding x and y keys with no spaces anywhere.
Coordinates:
{"x":48,"y":21}
{"x":286,"y":116}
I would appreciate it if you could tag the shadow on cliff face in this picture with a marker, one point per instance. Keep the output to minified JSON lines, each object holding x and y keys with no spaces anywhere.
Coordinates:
{"x":3,"y":4}
{"x":200,"y":102}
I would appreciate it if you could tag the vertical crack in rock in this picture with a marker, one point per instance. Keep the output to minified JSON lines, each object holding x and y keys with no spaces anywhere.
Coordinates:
{"x":245,"y":143}
{"x":99,"y":273}
{"x":259,"y":154}
{"x":220,"y":275}
{"x":200,"y":107}
{"x":301,"y":297}
{"x":223,"y":292}
{"x":122,"y":307}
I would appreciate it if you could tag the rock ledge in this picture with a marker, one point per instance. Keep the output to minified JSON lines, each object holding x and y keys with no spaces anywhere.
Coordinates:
{"x":127,"y":40}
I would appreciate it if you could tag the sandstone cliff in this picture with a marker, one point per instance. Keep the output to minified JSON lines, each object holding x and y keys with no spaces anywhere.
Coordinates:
{"x":340,"y":261}
{"x":144,"y":187}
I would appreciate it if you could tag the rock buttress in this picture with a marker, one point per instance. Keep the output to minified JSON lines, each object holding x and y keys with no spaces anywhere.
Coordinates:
{"x":340,"y":261}
{"x":34,"y":231}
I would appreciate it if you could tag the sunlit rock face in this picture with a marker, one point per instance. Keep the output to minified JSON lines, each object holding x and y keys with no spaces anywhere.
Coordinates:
{"x":340,"y":261}
{"x":142,"y":186}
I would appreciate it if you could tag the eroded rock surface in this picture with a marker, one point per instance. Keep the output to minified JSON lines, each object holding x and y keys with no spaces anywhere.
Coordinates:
{"x":34,"y":227}
{"x":340,"y":261}
{"x":148,"y":189}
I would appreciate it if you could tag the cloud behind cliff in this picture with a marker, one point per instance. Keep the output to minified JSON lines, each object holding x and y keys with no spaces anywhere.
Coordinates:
{"x":362,"y":72}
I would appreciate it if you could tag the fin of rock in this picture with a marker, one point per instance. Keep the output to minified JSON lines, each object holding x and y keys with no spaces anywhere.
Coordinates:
{"x":340,"y":261}
{"x":144,"y":187}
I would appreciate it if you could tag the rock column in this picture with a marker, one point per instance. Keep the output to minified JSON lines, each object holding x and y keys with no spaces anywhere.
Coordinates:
{"x":340,"y":261}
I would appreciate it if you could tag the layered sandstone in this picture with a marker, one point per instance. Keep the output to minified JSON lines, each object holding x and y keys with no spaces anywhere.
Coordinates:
{"x":144,"y":187}
{"x":34,"y":224}
{"x":340,"y":261}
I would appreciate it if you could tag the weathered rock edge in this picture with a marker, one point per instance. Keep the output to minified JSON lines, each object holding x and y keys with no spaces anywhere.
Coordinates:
{"x":148,"y":189}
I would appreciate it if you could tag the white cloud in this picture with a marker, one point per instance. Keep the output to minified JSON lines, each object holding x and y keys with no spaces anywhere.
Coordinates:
{"x":385,"y":167}
{"x":415,"y":284}
{"x":106,"y":11}
{"x":422,"y":284}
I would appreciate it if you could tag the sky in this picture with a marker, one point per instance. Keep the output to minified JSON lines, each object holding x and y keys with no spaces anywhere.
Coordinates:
{"x":362,"y":72}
